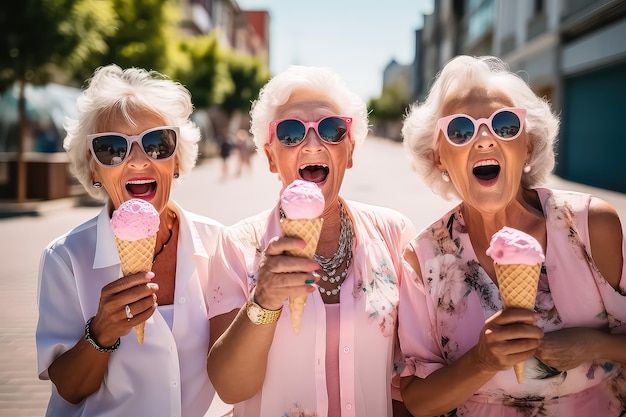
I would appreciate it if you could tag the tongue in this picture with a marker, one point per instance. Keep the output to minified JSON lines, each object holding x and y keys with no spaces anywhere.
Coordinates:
{"x":313,"y":175}
{"x":139,"y":189}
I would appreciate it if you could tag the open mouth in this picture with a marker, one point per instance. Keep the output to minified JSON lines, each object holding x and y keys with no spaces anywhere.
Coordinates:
{"x":486,"y":170}
{"x":141,"y":188}
{"x":314,"y":173}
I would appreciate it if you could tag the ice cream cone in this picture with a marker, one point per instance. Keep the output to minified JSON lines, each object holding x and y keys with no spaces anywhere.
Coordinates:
{"x":136,"y":256}
{"x":518,"y":288}
{"x":309,"y":231}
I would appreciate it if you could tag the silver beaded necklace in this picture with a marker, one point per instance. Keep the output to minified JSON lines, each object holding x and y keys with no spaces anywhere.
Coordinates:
{"x":330,"y":266}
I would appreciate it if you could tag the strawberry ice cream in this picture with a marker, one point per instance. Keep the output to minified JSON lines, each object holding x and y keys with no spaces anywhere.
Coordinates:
{"x":302,"y":200}
{"x":511,"y":246}
{"x":135,"y":219}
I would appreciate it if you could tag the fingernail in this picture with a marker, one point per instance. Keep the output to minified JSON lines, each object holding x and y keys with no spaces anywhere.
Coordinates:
{"x":316,"y":275}
{"x":153,"y":286}
{"x":309,"y":281}
{"x":149,"y":275}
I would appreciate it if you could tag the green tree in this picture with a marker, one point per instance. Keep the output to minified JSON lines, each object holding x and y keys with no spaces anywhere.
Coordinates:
{"x":248,"y":75}
{"x":392,"y":104}
{"x":39,"y":36}
{"x":142,"y":36}
{"x":199,"y":65}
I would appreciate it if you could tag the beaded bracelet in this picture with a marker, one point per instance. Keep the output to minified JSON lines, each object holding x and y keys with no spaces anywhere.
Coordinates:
{"x":95,"y":344}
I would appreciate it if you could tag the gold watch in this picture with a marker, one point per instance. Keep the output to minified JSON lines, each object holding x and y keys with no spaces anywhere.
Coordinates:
{"x":259,"y":315}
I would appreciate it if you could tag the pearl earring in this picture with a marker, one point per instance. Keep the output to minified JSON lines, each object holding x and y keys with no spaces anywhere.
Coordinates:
{"x":526,"y":168}
{"x":176,"y":175}
{"x":445,"y":176}
{"x":96,"y":184}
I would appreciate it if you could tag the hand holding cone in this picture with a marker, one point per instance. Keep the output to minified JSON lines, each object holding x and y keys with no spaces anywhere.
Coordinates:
{"x":517,"y":260}
{"x":303,"y":203}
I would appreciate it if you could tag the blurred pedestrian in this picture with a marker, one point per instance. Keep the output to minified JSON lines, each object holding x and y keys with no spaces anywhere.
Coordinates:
{"x":245,"y":148}
{"x":225,"y":144}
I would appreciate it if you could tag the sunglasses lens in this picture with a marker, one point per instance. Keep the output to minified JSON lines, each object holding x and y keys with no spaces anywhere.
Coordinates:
{"x":110,"y":149}
{"x":506,"y":124}
{"x":332,"y":129}
{"x":460,"y":130}
{"x":159,"y":144}
{"x":290,"y":132}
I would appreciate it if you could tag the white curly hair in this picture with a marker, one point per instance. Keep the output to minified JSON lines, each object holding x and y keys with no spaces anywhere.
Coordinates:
{"x":320,"y":80}
{"x":541,"y":125}
{"x":129,"y":93}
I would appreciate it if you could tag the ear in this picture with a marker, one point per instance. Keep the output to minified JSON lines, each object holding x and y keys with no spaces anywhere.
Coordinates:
{"x":350,"y":152}
{"x":270,"y":158}
{"x":437,"y":160}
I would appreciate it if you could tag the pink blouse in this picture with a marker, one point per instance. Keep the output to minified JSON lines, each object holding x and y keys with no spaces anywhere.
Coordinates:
{"x":295,"y":381}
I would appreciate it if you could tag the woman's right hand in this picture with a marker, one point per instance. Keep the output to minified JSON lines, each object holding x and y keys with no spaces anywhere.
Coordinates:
{"x":282,"y":276}
{"x":508,"y":337}
{"x":136,"y":291}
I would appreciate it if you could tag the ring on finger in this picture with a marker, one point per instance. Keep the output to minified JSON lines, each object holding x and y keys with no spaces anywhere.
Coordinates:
{"x":129,"y":315}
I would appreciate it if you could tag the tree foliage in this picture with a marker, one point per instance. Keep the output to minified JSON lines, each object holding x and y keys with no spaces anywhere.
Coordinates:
{"x":392,"y":104}
{"x":201,"y":67}
{"x":248,"y":75}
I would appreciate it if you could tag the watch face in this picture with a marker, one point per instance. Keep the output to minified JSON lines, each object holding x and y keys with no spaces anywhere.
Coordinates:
{"x":255,"y":313}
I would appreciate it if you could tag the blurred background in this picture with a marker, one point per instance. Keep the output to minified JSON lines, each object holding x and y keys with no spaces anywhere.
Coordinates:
{"x":570,"y":51}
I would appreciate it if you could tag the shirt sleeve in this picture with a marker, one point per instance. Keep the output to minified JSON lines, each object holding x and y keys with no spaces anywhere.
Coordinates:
{"x":228,"y":277}
{"x":615,"y":299}
{"x":416,"y":327}
{"x":61,"y":320}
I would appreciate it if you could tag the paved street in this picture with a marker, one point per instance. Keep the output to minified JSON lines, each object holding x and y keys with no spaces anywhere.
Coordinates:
{"x":381,"y":175}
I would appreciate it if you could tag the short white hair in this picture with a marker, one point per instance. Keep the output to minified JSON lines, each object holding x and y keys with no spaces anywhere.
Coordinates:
{"x":419,"y":128}
{"x":128,"y":94}
{"x":320,"y":80}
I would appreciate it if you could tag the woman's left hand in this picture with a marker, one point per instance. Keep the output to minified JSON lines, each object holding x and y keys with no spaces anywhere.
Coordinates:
{"x":566,"y":349}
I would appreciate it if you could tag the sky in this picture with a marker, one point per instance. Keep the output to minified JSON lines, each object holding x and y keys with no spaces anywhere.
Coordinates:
{"x":357,"y":38}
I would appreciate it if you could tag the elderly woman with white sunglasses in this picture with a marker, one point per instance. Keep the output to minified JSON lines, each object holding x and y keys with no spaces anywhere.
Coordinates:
{"x":133,"y":139}
{"x":340,"y":363}
{"x":483,"y":136}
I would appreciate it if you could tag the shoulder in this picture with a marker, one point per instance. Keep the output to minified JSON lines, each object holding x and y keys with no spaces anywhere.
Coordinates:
{"x":379,"y":215}
{"x":78,"y":236}
{"x":606,"y":239}
{"x":201,"y":222}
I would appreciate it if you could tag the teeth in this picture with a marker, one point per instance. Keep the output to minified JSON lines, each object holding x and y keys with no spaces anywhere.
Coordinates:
{"x":484,"y":163}
{"x":140,"y":182}
{"x":314,"y":165}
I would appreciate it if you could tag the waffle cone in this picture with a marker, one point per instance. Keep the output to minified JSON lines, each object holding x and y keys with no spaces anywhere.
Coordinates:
{"x":136,"y":256}
{"x":308,"y":230}
{"x":518,"y":288}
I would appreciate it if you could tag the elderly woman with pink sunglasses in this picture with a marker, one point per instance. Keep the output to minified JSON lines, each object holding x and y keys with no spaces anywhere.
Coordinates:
{"x":483,"y":136}
{"x":133,"y":139}
{"x":340,"y":363}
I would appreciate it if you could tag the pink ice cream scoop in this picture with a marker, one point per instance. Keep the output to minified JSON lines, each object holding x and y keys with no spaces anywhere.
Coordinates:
{"x":302,"y":200}
{"x":135,"y":219}
{"x":511,"y":247}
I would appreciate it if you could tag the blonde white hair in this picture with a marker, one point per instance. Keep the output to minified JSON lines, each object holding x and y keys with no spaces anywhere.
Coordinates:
{"x":420,"y":124}
{"x":320,"y":80}
{"x":129,"y":94}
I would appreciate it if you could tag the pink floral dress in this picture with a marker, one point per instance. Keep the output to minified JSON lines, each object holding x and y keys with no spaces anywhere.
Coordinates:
{"x":441,"y":316}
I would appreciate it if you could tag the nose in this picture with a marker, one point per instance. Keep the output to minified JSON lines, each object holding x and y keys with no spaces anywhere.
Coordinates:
{"x":312,"y":141}
{"x":484,"y":137}
{"x":137,"y":158}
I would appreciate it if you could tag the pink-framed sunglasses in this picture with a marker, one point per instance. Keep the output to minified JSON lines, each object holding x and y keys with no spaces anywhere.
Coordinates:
{"x":291,"y":132}
{"x":461,"y":129}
